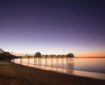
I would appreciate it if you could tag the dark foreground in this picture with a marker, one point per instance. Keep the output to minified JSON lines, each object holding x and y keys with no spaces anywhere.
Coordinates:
{"x":13,"y":74}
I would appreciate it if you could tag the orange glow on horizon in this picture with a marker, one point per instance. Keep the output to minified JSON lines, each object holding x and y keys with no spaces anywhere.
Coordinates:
{"x":79,"y":53}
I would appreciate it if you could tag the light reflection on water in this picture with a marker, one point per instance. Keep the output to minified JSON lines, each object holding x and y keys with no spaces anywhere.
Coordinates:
{"x":68,"y":66}
{"x":88,"y":64}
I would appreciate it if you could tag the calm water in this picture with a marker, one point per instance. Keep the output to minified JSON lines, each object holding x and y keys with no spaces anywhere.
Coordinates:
{"x":85,"y":67}
{"x":83,"y":64}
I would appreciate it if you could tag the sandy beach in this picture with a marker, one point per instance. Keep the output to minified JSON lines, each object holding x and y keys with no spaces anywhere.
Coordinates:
{"x":14,"y":74}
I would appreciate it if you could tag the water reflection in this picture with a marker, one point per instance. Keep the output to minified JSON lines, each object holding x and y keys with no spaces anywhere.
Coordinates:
{"x":87,"y":64}
{"x":58,"y":65}
{"x":70,"y":65}
{"x":48,"y":62}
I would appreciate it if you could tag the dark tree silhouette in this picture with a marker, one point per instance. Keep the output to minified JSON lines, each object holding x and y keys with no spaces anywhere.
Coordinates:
{"x":70,"y":55}
{"x":6,"y":55}
{"x":37,"y":54}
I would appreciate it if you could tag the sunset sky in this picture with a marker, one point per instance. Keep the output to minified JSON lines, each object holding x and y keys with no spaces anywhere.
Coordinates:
{"x":53,"y":26}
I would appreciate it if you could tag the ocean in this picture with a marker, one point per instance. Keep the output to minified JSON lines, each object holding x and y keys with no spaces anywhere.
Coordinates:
{"x":88,"y":67}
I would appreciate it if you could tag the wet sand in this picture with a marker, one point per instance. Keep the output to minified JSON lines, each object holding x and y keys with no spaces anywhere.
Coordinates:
{"x":14,"y":74}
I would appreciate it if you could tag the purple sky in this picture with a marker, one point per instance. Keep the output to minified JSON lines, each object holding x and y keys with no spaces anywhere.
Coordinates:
{"x":53,"y":26}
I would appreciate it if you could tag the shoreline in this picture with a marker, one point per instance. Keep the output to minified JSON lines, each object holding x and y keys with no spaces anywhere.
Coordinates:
{"x":81,"y":73}
{"x":71,"y":67}
{"x":24,"y":75}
